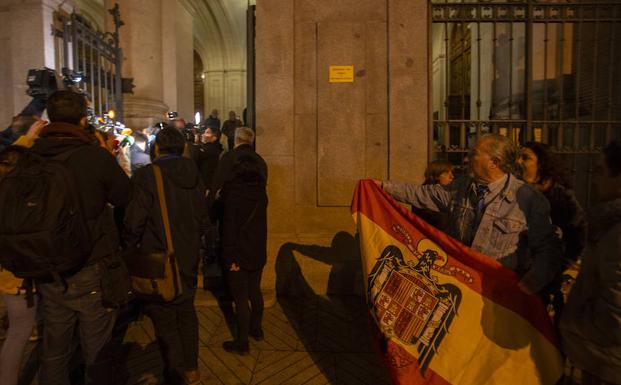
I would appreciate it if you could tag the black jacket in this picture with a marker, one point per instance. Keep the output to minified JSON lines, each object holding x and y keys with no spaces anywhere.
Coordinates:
{"x":6,"y":138}
{"x":185,"y":198}
{"x":212,"y":122}
{"x":568,"y":215}
{"x":98,"y":177}
{"x":244,"y":239}
{"x":224,"y":172}
{"x":206,"y":157}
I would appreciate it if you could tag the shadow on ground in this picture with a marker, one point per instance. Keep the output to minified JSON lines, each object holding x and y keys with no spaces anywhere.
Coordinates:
{"x":333,"y":328}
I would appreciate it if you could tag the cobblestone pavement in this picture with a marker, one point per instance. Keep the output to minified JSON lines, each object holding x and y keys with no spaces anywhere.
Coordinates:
{"x":317,"y":340}
{"x":320,"y":340}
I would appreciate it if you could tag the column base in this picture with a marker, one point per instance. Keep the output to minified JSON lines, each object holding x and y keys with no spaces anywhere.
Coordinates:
{"x":143,"y":112}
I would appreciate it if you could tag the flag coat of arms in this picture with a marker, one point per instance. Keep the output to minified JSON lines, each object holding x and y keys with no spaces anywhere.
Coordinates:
{"x":443,"y":313}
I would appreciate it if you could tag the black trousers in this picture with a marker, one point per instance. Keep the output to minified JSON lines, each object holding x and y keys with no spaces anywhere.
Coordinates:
{"x":245,"y":286}
{"x":176,"y":329}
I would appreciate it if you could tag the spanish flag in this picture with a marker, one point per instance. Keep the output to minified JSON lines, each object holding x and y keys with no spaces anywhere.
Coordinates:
{"x":444,"y":313}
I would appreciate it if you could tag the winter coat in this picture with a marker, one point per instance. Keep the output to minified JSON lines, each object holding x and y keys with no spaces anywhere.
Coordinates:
{"x":568,"y":215}
{"x":244,"y":223}
{"x":99,"y":181}
{"x":228,"y":129}
{"x":591,"y":321}
{"x":185,"y":199}
{"x":206,"y":157}
{"x":213,"y":122}
{"x":224,"y":172}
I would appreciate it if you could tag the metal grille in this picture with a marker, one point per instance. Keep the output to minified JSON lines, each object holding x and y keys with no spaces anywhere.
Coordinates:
{"x":533,"y":70}
{"x":94,"y":55}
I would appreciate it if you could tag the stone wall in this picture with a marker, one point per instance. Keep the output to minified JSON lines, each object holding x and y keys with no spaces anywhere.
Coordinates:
{"x":26,"y":43}
{"x":320,"y":138}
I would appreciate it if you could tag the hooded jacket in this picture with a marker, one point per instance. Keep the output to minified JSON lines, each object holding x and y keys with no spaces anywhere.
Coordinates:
{"x":98,"y":178}
{"x":224,"y":172}
{"x":187,"y":213}
{"x":591,"y":320}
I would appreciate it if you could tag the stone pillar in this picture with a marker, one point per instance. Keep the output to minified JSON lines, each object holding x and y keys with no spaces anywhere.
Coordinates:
{"x":141,"y":41}
{"x":27,"y":42}
{"x":177,"y":59}
{"x":409,"y":89}
{"x":320,"y":137}
{"x":214,"y":92}
{"x":235,"y":91}
{"x":275,"y":117}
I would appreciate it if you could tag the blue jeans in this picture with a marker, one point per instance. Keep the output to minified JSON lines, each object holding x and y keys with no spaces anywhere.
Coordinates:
{"x":21,"y":321}
{"x":78,"y":306}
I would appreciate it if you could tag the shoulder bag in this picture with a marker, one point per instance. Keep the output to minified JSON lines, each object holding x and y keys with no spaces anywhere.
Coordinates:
{"x":155,"y":275}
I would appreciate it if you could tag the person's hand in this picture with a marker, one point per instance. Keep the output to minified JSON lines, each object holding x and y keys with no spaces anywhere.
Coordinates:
{"x":377,"y":182}
{"x":234,"y":267}
{"x":33,"y":131}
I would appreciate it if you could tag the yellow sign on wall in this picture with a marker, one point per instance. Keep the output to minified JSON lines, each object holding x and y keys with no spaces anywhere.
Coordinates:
{"x":341,"y":74}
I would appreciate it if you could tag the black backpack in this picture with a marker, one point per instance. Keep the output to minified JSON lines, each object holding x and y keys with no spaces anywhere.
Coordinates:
{"x":42,"y":228}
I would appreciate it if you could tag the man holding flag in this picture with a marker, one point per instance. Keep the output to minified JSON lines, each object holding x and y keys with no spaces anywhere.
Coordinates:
{"x":494,"y":213}
{"x":459,"y":309}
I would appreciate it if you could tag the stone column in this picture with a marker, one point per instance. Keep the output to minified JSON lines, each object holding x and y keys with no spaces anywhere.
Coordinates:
{"x":141,"y":41}
{"x":27,"y":42}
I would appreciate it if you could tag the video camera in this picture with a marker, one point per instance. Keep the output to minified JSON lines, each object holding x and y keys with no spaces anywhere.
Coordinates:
{"x":44,"y":82}
{"x":41,"y":83}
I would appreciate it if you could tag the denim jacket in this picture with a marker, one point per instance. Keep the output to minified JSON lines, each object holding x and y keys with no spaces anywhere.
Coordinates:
{"x":515,"y":228}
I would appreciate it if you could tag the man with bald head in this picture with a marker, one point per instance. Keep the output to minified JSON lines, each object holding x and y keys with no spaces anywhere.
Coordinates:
{"x":494,"y":212}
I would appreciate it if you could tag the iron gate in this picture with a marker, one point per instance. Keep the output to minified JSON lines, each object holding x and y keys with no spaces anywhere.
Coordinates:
{"x":543,"y":70}
{"x":93,"y":59}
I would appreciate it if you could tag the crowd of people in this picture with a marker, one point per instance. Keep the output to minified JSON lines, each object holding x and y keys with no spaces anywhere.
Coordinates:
{"x":516,"y":206}
{"x":201,"y":192}
{"x":188,"y":196}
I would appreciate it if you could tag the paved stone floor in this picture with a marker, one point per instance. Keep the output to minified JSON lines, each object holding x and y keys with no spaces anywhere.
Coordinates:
{"x":320,"y":340}
{"x":317,"y":340}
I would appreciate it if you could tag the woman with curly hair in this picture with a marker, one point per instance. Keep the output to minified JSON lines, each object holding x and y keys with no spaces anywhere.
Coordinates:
{"x":545,"y":170}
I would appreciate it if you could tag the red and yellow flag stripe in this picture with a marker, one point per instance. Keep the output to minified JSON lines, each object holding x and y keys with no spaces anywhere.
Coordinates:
{"x":497,"y":334}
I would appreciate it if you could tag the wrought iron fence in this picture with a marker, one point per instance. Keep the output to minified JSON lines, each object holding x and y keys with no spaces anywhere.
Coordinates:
{"x":531,"y":69}
{"x":94,"y":58}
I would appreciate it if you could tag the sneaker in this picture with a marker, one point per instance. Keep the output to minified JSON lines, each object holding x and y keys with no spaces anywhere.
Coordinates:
{"x":192,"y":377}
{"x":257,"y":335}
{"x":236,"y":348}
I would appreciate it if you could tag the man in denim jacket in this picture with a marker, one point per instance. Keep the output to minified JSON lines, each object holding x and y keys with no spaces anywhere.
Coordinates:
{"x":495,"y":213}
